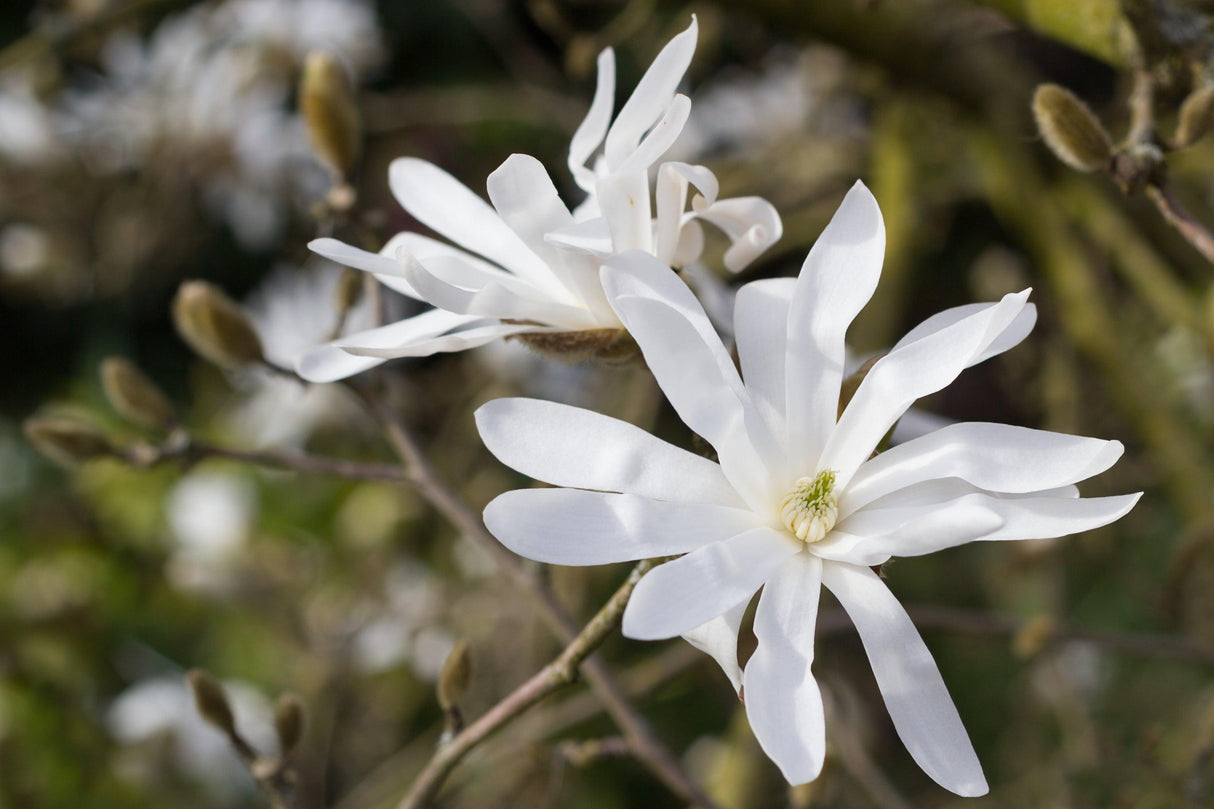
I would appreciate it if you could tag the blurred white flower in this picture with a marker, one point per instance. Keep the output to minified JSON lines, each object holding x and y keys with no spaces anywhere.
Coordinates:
{"x":24,"y":249}
{"x":211,"y":516}
{"x":797,"y":500}
{"x":404,"y":631}
{"x":160,"y":709}
{"x":294,"y":310}
{"x":207,"y":93}
{"x":542,"y":270}
{"x":28,"y":129}
{"x":743,"y":111}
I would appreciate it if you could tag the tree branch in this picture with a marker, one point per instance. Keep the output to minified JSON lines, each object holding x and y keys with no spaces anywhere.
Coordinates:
{"x":556,"y":675}
{"x":424,"y":477}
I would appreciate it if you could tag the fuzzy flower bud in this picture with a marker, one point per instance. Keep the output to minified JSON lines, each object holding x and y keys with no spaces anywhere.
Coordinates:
{"x":607,"y":346}
{"x":134,"y":396}
{"x":66,"y":441}
{"x":453,"y":680}
{"x":326,"y":99}
{"x":290,"y":719}
{"x":215,"y":326}
{"x":211,"y":701}
{"x":1071,"y":130}
{"x":1196,"y":117}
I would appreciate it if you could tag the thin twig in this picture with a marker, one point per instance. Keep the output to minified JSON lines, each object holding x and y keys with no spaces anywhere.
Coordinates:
{"x":421,"y":473}
{"x":188,"y":450}
{"x":559,"y":673}
{"x":1195,"y":233}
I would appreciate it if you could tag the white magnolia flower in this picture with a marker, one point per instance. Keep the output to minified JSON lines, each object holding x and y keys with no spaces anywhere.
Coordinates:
{"x":797,"y":500}
{"x":537,"y":270}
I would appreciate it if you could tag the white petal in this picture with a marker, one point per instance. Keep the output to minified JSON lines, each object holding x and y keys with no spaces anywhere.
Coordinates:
{"x":383,"y":265}
{"x":995,"y":457}
{"x":651,"y":98}
{"x":494,"y":300}
{"x":575,"y":527}
{"x":751,"y":223}
{"x":624,"y":200}
{"x":783,"y":702}
{"x":328,"y":363}
{"x":477,"y":333}
{"x":671,"y":193}
{"x":569,"y":446}
{"x":693,"y":369}
{"x":872,"y":536}
{"x":444,"y":204}
{"x":525,"y":198}
{"x":331,"y":362}
{"x":902,"y":376}
{"x":679,"y":596}
{"x":760,"y":321}
{"x":837,"y":279}
{"x":1012,"y":337}
{"x":718,"y":638}
{"x":924,"y":714}
{"x":591,"y":236}
{"x":590,"y":132}
{"x":659,"y":139}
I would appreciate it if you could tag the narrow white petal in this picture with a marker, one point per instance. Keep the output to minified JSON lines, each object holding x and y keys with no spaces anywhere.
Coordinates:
{"x":331,"y":362}
{"x":624,"y":200}
{"x":569,"y":446}
{"x":478,"y":332}
{"x":590,"y":132}
{"x":1012,"y":337}
{"x":659,"y":139}
{"x":751,"y":223}
{"x":902,"y":376}
{"x":575,"y":527}
{"x":783,"y":702}
{"x":995,"y":457}
{"x":673,"y":181}
{"x":328,"y":363}
{"x":591,"y":236}
{"x":693,"y":369}
{"x":651,"y":98}
{"x":444,"y":204}
{"x":760,"y":322}
{"x":718,"y":639}
{"x":837,"y":279}
{"x":679,"y":596}
{"x":383,"y":265}
{"x":872,"y":536}
{"x":493,"y":299}
{"x":915,"y":695}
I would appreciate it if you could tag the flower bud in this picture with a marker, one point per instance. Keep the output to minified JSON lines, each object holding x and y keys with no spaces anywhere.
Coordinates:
{"x":607,"y":346}
{"x":66,"y":441}
{"x":1196,"y":116}
{"x":289,"y":722}
{"x":211,"y":701}
{"x":326,"y":99}
{"x":134,"y":396}
{"x":349,"y":291}
{"x":455,"y":676}
{"x":1071,"y":130}
{"x":215,"y":326}
{"x":1032,"y":637}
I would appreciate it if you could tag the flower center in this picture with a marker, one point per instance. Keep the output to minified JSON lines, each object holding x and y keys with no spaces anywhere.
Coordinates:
{"x":811,"y":508}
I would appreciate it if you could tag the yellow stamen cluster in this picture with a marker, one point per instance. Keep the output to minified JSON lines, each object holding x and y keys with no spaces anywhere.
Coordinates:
{"x":811,"y":508}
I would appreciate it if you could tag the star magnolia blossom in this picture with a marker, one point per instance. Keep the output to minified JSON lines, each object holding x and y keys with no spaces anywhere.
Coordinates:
{"x":798,"y":499}
{"x":538,"y":266}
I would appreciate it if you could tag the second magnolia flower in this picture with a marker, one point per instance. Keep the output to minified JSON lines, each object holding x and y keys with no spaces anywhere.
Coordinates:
{"x":535,"y":272}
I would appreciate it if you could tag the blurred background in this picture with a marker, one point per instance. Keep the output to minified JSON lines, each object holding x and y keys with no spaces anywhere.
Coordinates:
{"x":145,"y":142}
